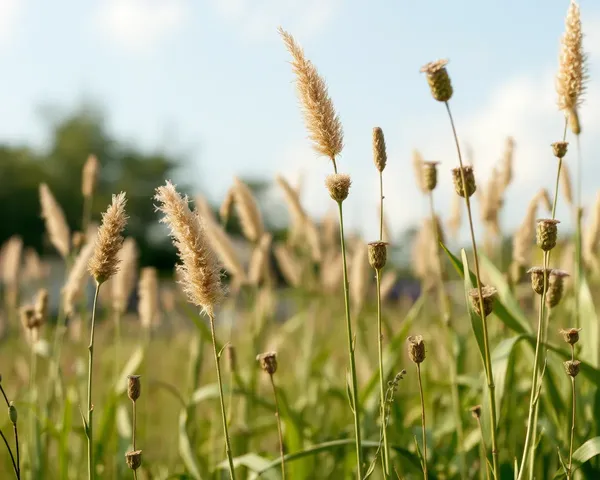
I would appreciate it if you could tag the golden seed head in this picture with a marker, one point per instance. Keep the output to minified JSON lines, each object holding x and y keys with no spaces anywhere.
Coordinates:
{"x":268,"y":362}
{"x":200,"y":270}
{"x":487,"y":295}
{"x":134,"y":387}
{"x":247,"y":209}
{"x":148,"y":297}
{"x":134,"y":459}
{"x":416,"y":348}
{"x":546,"y":233}
{"x":574,"y":123}
{"x":476,"y":411}
{"x":560,"y":149}
{"x":379,"y":153}
{"x":320,"y":117}
{"x":537,"y":278}
{"x":555,"y":287}
{"x":89,"y":176}
{"x":42,"y":306}
{"x":377,"y":254}
{"x":467,"y":170}
{"x":430,"y":175}
{"x":338,"y":185}
{"x":438,"y":79}
{"x":109,"y":239}
{"x":570,"y":335}
{"x":572,"y":367}
{"x":55,"y":221}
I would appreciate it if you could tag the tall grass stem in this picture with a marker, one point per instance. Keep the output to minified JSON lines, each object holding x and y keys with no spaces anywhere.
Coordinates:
{"x":90,"y":411}
{"x":425,"y":475}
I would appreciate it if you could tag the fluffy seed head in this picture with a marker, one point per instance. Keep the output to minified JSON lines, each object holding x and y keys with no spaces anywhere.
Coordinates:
{"x":225,"y":208}
{"x":56,"y":224}
{"x":89,"y":176}
{"x":555,"y":287}
{"x":199,"y":271}
{"x":259,"y":261}
{"x":572,"y":367}
{"x":377,"y":254}
{"x":77,"y":278}
{"x":537,"y":278}
{"x":134,"y":387}
{"x":338,"y":185}
{"x":487,"y":295}
{"x":134,"y":459}
{"x":268,"y":362}
{"x":11,"y":260}
{"x":572,"y":72}
{"x":416,"y":348}
{"x":546,"y":233}
{"x":148,"y":296}
{"x":469,"y":181}
{"x":570,"y":335}
{"x":248,"y":211}
{"x":222,"y":245}
{"x":323,"y":124}
{"x":109,"y":240}
{"x":438,"y":79}
{"x":124,"y":280}
{"x":559,"y":149}
{"x":379,"y":153}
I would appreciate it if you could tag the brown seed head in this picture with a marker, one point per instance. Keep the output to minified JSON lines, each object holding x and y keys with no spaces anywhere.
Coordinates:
{"x":42,"y":306}
{"x":268,"y":362}
{"x":416,"y":348}
{"x":537,"y":278}
{"x":377,"y":254}
{"x":379,"y":153}
{"x":559,"y":149}
{"x":487,"y":294}
{"x":109,"y":239}
{"x":200,"y":271}
{"x":56,"y":224}
{"x":438,"y":79}
{"x":89,"y":176}
{"x":338,"y":185}
{"x":430,"y":175}
{"x":572,"y":367}
{"x":134,"y":387}
{"x":570,"y":335}
{"x":546,"y":233}
{"x":555,"y":287}
{"x":134,"y":459}
{"x":476,"y":411}
{"x":322,"y":122}
{"x":469,"y":180}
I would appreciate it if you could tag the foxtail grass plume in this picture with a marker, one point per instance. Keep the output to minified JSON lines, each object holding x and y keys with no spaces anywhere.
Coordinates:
{"x":506,"y":171}
{"x":89,"y":176}
{"x":572,"y":72}
{"x":359,"y":275}
{"x":42,"y":306}
{"x":248,"y":211}
{"x":223,"y":246}
{"x":77,"y":278}
{"x":323,"y":124}
{"x":34,"y":269}
{"x":11,"y":260}
{"x":379,"y":152}
{"x":56,"y":224}
{"x":331,"y":273}
{"x":226,"y":206}
{"x":259,"y":261}
{"x":338,"y":185}
{"x":566,"y":184}
{"x":109,"y":240}
{"x":289,"y":265}
{"x":200,"y":270}
{"x":148,"y":297}
{"x":204,"y":209}
{"x":123,"y":282}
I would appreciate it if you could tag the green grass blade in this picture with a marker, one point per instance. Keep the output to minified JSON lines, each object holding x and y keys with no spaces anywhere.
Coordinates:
{"x":583,"y":454}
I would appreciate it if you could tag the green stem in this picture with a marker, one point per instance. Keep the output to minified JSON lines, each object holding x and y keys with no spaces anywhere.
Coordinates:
{"x":355,"y":402}
{"x":222,"y":400}
{"x":381,"y":206}
{"x":12,"y":458}
{"x":488,"y":360}
{"x":33,"y":439}
{"x":573,"y":393}
{"x":280,"y":432}
{"x":485,"y":458}
{"x":425,"y":475}
{"x":90,"y":411}
{"x":578,"y":235}
{"x":385,"y":453}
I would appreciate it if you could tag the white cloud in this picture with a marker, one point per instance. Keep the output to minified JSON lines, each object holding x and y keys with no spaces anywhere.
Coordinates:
{"x":9,"y":13}
{"x":258,"y":19}
{"x":138,"y":25}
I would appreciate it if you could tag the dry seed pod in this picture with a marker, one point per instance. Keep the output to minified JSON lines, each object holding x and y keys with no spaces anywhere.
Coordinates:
{"x":377,"y":254}
{"x":379,"y":153}
{"x":487,"y":295}
{"x":134,"y":387}
{"x":268,"y":362}
{"x":546,"y":233}
{"x":555,"y":287}
{"x":338,"y":185}
{"x":416,"y":348}
{"x":134,"y":459}
{"x":476,"y":411}
{"x":560,"y":149}
{"x":572,"y":367}
{"x":570,"y":335}
{"x":430,"y":175}
{"x":537,"y":279}
{"x":469,"y":181}
{"x":439,"y":80}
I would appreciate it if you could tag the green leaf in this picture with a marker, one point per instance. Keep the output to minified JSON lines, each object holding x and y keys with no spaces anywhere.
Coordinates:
{"x":586,"y":452}
{"x":253,"y":462}
{"x":185,"y":447}
{"x":475,"y":319}
{"x":589,"y":324}
{"x":502,"y":362}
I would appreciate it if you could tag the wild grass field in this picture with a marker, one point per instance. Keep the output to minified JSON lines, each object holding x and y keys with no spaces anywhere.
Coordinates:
{"x":310,"y":357}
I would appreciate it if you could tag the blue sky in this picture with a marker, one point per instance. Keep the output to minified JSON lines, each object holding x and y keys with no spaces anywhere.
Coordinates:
{"x":210,"y":78}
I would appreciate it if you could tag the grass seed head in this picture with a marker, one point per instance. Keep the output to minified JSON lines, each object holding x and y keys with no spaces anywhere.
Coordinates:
{"x":572,"y":367}
{"x":134,"y":387}
{"x":546,"y":233}
{"x":560,"y":149}
{"x":12,"y":413}
{"x":470,"y":184}
{"x":537,"y":278}
{"x":379,"y":152}
{"x":338,"y":185}
{"x":377,"y":254}
{"x":555,"y":287}
{"x":416,"y":348}
{"x":438,"y":79}
{"x":476,"y":411}
{"x":268,"y":362}
{"x":430,"y":175}
{"x":89,"y":176}
{"x":134,"y":459}
{"x":570,"y":335}
{"x":487,"y":294}
{"x":42,"y":306}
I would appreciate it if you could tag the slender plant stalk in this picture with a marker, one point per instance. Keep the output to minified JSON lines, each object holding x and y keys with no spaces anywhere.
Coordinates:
{"x":425,"y":475}
{"x":570,"y":470}
{"x":12,"y":458}
{"x":222,"y":400}
{"x":381,"y":197}
{"x":487,"y":353}
{"x":578,"y":235}
{"x":16,"y":433}
{"x":485,"y":458}
{"x":90,"y":412}
{"x":33,"y":438}
{"x":282,"y":455}
{"x":445,"y":308}
{"x":134,"y":414}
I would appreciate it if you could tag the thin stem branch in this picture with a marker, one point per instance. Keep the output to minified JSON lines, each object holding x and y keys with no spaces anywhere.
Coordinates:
{"x":487,"y":470}
{"x":487,"y":353}
{"x":279,"y":430}
{"x":90,"y":406}
{"x":578,"y":234}
{"x":15,"y":431}
{"x":12,"y":458}
{"x":574,"y":397}
{"x":222,"y":400}
{"x":381,"y":197}
{"x":425,"y":475}
{"x":385,"y":453}
{"x":33,"y":438}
